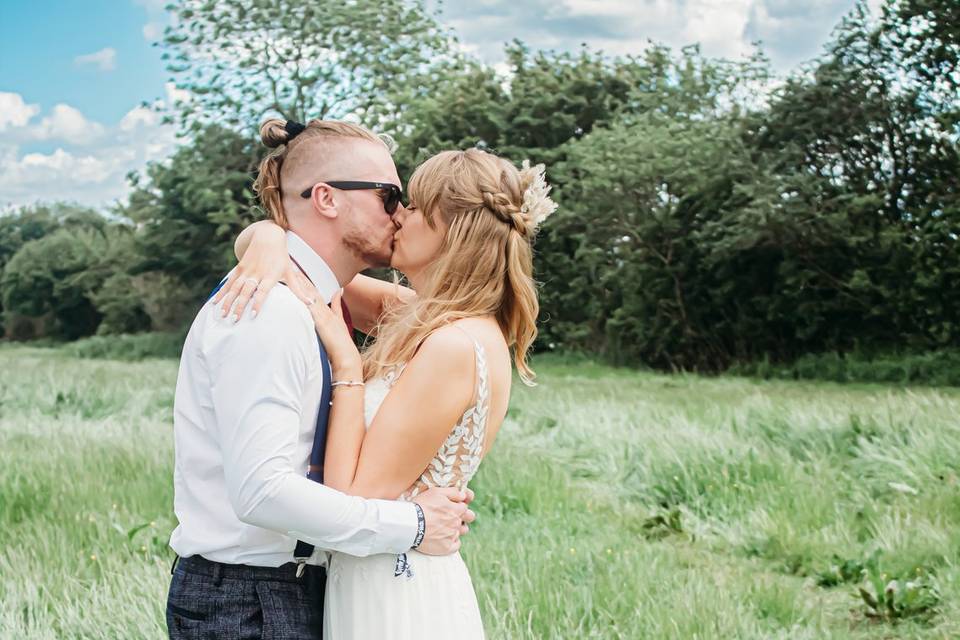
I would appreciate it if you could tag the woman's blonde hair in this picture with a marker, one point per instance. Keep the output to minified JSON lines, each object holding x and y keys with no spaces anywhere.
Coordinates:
{"x":287,"y":139}
{"x":485,"y":263}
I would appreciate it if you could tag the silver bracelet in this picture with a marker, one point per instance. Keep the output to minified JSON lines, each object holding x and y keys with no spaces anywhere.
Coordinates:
{"x":346,"y":383}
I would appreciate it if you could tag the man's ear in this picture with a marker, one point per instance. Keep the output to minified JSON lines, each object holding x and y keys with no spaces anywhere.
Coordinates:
{"x":323,"y":200}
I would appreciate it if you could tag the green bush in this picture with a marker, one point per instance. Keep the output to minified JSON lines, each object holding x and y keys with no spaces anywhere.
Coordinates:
{"x":128,"y":347}
{"x":938,"y":368}
{"x":53,"y":276}
{"x":121,"y":306}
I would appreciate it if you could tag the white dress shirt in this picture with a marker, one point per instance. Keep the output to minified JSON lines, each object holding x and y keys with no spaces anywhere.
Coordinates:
{"x":244,"y":417}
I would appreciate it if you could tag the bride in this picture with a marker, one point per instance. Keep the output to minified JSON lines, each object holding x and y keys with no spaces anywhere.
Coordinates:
{"x":464,"y":245}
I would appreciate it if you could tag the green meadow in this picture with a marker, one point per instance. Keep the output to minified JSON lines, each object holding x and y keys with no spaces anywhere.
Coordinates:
{"x":615,"y":504}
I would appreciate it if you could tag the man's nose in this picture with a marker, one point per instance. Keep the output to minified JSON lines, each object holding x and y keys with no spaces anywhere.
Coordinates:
{"x":398,"y":216}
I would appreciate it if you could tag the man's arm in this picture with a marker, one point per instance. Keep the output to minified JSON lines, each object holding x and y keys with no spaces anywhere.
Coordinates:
{"x":259,"y":369}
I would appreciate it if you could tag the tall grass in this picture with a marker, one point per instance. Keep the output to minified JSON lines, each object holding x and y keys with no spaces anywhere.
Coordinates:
{"x":615,"y":504}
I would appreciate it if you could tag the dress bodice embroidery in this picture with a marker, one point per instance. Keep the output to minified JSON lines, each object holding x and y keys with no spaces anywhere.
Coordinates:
{"x":458,"y":459}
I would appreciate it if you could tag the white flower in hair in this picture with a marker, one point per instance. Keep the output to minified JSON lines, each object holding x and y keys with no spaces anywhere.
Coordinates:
{"x":536,"y":203}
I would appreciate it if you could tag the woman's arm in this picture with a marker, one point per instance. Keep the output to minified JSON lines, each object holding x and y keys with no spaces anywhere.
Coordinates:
{"x":367,"y":298}
{"x":242,"y":243}
{"x":266,"y":244}
{"x":264,"y":261}
{"x":428,"y":399}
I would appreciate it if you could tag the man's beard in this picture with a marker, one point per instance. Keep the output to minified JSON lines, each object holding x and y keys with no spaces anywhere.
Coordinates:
{"x":370,"y":253}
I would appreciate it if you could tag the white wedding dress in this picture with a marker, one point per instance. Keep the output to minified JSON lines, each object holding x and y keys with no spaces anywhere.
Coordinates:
{"x":435,"y":599}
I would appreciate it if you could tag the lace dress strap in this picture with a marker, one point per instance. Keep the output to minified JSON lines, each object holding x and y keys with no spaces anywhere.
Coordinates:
{"x":459,"y":456}
{"x":481,"y":393}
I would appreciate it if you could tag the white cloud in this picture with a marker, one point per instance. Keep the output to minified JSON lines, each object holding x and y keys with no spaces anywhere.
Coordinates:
{"x":791,"y":31}
{"x":63,"y":123}
{"x":718,"y":25}
{"x":139,"y":117}
{"x":67,"y":124}
{"x":600,"y":7}
{"x":39,"y":166}
{"x":14,"y":112}
{"x":154,"y":6}
{"x":104,"y":60}
{"x":152,"y":31}
{"x":60,"y":175}
{"x":91,"y":160}
{"x":157,"y":19}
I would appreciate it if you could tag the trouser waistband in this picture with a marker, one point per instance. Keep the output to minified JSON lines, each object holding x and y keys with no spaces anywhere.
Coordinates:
{"x":219,"y":570}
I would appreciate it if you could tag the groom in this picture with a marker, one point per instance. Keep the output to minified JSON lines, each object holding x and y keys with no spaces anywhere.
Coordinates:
{"x":253,"y":528}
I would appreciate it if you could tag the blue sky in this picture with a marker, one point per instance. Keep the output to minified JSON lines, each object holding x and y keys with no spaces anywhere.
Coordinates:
{"x":74,"y":74}
{"x":40,"y":40}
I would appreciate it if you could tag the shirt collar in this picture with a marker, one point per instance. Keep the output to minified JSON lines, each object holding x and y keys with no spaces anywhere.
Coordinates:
{"x":316,"y":269}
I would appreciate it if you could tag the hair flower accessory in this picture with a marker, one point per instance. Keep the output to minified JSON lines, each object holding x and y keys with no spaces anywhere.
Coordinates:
{"x":537,"y":204}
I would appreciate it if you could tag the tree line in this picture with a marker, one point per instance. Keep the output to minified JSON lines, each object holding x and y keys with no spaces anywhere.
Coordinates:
{"x":711,"y":213}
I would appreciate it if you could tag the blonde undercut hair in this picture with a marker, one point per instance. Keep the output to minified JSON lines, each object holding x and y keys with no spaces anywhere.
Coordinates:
{"x":293,"y":144}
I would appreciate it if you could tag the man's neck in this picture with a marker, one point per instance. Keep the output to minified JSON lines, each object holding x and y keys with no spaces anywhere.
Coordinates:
{"x":344,"y":265}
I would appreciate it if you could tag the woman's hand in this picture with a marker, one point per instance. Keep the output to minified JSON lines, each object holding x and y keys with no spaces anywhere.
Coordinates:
{"x":264,"y":263}
{"x":344,"y":357}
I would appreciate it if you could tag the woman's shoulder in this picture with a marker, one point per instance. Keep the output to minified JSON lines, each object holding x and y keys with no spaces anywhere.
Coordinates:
{"x":444,"y":359}
{"x":469,"y":334}
{"x":451,"y":348}
{"x":449,"y":341}
{"x":458,"y":344}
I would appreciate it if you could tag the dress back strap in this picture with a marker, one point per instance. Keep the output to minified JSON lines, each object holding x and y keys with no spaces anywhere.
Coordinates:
{"x":481,"y":395}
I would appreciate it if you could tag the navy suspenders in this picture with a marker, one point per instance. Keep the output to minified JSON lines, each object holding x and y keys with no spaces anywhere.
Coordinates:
{"x":304,"y":550}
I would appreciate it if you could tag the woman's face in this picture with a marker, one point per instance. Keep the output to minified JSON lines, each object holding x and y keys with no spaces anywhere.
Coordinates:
{"x":415,"y":244}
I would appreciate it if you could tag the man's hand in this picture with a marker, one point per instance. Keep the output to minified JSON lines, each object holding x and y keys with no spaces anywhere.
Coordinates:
{"x":447,"y":518}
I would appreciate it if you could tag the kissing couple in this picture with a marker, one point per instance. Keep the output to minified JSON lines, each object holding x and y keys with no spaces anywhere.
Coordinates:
{"x":321,"y":491}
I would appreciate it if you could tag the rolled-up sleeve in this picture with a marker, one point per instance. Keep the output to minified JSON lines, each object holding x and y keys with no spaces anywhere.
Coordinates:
{"x":259,"y":369}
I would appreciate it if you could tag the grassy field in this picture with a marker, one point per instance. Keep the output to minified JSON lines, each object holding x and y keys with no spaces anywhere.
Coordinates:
{"x":615,"y":504}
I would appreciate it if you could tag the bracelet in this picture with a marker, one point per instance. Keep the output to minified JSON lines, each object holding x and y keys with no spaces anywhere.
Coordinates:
{"x":421,"y":526}
{"x":346,"y":383}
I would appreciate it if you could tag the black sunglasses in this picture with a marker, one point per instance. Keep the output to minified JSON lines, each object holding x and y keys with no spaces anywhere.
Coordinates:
{"x":389,"y":193}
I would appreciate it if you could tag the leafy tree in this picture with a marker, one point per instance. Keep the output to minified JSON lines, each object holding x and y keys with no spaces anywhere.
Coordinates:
{"x":189,"y":210}
{"x":54,"y":276}
{"x":241,"y":60}
{"x":637,"y":200}
{"x":119,"y":303}
{"x":548,"y":108}
{"x":74,"y":282}
{"x":864,"y":195}
{"x":462,"y":107}
{"x":703,"y":223}
{"x":926,"y":34}
{"x":33,"y":223}
{"x":549,"y":98}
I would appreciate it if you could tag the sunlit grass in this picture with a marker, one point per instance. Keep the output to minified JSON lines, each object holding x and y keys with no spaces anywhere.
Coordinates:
{"x":614,"y":504}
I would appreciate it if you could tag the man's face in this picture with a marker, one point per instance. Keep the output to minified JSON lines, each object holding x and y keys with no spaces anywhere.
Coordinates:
{"x":367,"y":228}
